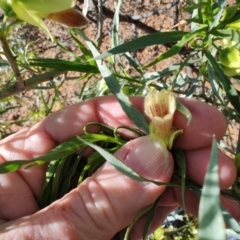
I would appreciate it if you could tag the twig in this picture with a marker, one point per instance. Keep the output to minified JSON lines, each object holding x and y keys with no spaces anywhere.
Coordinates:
{"x":175,"y":12}
{"x":12,"y":61}
{"x":9,"y":90}
{"x":99,"y":9}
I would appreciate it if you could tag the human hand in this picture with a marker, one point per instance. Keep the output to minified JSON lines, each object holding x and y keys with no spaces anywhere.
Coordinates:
{"x":107,"y":201}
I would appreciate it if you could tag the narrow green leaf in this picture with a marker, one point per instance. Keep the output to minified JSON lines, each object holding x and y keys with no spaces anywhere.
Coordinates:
{"x":144,"y":41}
{"x":182,"y":109}
{"x":68,"y":174}
{"x":62,"y":150}
{"x":115,"y":27}
{"x":229,"y":34}
{"x":150,"y":217}
{"x":181,"y":162}
{"x":229,"y":12}
{"x":63,"y":65}
{"x":7,"y":109}
{"x":44,"y":199}
{"x":56,"y":180}
{"x":154,"y":76}
{"x":238,"y":143}
{"x":215,"y":85}
{"x":121,"y":166}
{"x":4,"y":63}
{"x":228,"y":218}
{"x":132,"y":62}
{"x":133,"y":113}
{"x":118,"y":164}
{"x":94,"y":162}
{"x":217,"y":17}
{"x":210,"y":213}
{"x":232,"y":223}
{"x":204,"y":11}
{"x":136,"y":218}
{"x":225,"y":82}
{"x":174,"y":50}
{"x":86,"y":53}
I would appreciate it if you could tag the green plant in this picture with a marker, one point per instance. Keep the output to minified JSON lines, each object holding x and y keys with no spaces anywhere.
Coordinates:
{"x":210,"y":48}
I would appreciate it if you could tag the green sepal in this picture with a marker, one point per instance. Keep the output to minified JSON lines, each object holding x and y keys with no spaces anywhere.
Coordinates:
{"x":172,"y":137}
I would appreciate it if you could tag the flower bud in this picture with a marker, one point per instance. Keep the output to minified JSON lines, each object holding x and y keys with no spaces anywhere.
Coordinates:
{"x":229,"y":58}
{"x":33,"y":11}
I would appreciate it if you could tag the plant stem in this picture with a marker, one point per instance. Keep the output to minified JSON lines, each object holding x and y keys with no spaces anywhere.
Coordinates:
{"x":13,"y":63}
{"x":10,"y":90}
{"x":98,"y":7}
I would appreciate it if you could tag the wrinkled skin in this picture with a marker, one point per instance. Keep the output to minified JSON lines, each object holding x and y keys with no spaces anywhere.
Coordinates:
{"x":107,"y":201}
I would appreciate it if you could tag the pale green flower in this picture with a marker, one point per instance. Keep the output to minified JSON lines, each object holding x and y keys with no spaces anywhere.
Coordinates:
{"x":33,"y":11}
{"x":229,"y":58}
{"x":231,"y":72}
{"x":229,"y":55}
{"x":234,"y":25}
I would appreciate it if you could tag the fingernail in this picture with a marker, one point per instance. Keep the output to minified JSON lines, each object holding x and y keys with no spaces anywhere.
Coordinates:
{"x":148,"y":158}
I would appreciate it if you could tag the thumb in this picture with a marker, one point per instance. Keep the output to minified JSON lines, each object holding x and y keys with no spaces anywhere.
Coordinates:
{"x":107,"y":202}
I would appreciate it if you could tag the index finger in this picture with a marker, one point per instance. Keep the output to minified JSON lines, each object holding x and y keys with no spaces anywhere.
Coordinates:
{"x":69,"y":122}
{"x":66,"y":123}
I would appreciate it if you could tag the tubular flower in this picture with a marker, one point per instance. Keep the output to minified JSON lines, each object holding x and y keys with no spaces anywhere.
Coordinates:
{"x":33,"y":11}
{"x":160,"y":107}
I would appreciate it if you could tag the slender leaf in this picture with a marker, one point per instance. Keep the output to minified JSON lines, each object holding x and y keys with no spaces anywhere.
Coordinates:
{"x":7,"y":109}
{"x":115,"y":27}
{"x":215,"y":84}
{"x":182,"y":109}
{"x":229,"y":34}
{"x":211,"y":223}
{"x":67,"y":175}
{"x":238,"y":143}
{"x":56,"y":180}
{"x":181,"y":161}
{"x":121,"y":166}
{"x":144,"y":41}
{"x":218,"y":16}
{"x":174,"y":50}
{"x":225,"y":82}
{"x":133,"y":113}
{"x":94,"y":162}
{"x":62,"y":150}
{"x":4,"y":63}
{"x":150,"y":217}
{"x":86,"y":53}
{"x":132,"y":62}
{"x":63,"y":65}
{"x":232,"y":223}
{"x":136,"y":218}
{"x":44,"y":198}
{"x":228,"y":218}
